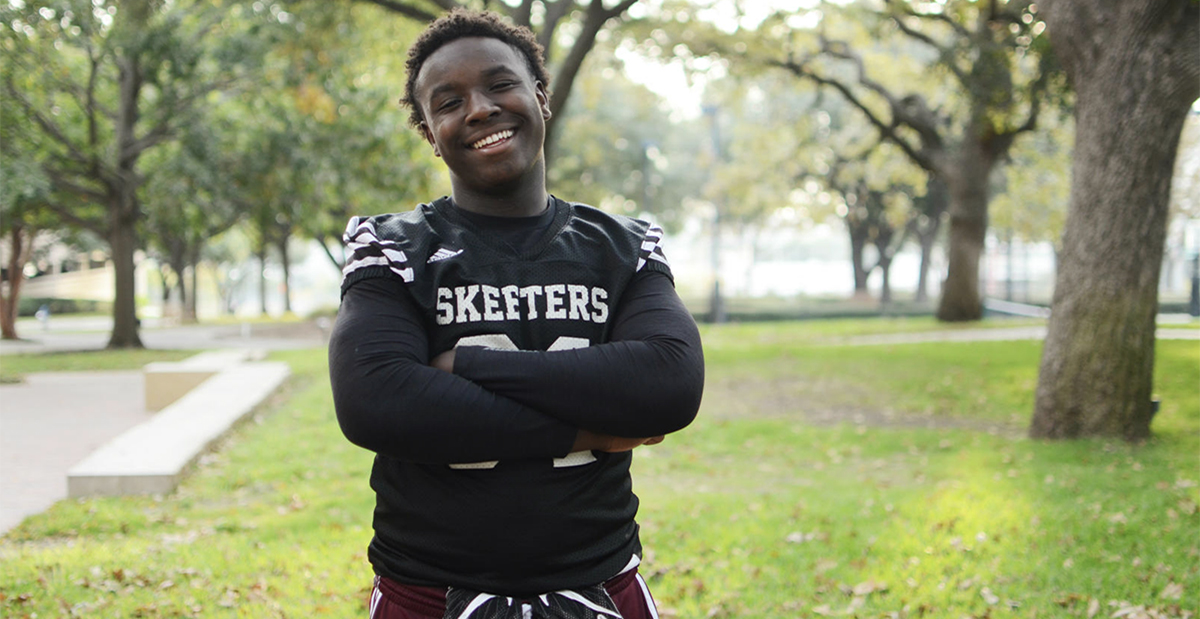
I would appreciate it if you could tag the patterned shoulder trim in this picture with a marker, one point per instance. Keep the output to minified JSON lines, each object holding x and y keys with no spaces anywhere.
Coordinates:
{"x":652,"y":248}
{"x":366,"y":249}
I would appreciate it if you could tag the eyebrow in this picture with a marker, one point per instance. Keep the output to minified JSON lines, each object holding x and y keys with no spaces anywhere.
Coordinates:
{"x":493,"y":71}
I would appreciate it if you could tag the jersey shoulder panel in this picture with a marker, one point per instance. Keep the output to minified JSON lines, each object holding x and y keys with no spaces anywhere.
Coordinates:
{"x":641,"y":238}
{"x":390,"y":245}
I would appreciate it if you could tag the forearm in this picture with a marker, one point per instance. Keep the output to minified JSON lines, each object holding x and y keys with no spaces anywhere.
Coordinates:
{"x":389,"y":401}
{"x":647,"y":382}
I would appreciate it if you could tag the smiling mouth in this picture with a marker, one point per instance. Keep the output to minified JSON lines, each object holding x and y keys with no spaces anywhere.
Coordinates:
{"x":492,"y":139}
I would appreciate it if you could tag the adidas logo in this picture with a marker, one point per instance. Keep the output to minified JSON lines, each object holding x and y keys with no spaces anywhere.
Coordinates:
{"x":442,"y":254}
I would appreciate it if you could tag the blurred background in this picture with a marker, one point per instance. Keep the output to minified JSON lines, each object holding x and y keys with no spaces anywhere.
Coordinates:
{"x":198,"y":161}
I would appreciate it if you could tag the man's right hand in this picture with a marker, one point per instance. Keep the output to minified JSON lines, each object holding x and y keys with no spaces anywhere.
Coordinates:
{"x":592,"y":441}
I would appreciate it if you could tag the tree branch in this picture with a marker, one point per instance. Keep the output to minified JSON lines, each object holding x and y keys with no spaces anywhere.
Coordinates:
{"x":887,"y":130}
{"x":958,"y":28}
{"x":67,"y":214}
{"x":47,"y":125}
{"x":946,"y":53}
{"x":594,"y":19}
{"x":410,"y":11}
{"x":555,"y":11}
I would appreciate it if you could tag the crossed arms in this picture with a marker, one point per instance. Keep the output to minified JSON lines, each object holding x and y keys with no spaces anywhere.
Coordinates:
{"x":496,"y":405}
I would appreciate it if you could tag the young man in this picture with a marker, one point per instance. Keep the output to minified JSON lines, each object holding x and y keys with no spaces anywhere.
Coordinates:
{"x":503,"y":352}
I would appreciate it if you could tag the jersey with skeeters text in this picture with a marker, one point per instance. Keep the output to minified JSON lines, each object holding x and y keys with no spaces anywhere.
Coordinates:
{"x":516,"y":526}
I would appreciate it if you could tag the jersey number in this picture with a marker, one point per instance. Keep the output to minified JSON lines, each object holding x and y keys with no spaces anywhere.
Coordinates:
{"x":501,"y":341}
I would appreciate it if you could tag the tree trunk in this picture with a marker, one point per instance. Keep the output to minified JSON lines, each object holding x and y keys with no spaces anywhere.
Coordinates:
{"x":122,"y":241}
{"x":885,"y":291}
{"x":927,"y":235}
{"x":858,"y":243}
{"x":967,"y":184}
{"x":1135,"y":70}
{"x":286,"y":265}
{"x":262,"y":278}
{"x":191,"y":315}
{"x":935,"y":205}
{"x":10,"y":301}
{"x":123,"y":208}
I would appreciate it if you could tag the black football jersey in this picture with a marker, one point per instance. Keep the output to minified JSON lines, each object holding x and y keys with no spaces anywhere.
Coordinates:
{"x":523,"y":526}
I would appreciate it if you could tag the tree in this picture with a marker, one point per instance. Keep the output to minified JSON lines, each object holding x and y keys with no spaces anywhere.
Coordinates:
{"x":1000,"y":68}
{"x":186,"y":204}
{"x":99,"y":85}
{"x":1135,"y":70}
{"x":23,"y":190}
{"x":620,"y":151}
{"x":551,"y":21}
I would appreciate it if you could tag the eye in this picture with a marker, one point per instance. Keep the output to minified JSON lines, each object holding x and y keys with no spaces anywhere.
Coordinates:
{"x":504,"y":85}
{"x":447,"y":104}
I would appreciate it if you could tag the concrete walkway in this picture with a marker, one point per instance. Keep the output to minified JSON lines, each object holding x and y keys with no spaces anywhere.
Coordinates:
{"x":989,"y":335}
{"x":51,"y":422}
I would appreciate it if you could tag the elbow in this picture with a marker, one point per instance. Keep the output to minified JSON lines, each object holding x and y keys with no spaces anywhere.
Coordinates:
{"x":677,"y":404}
{"x":357,"y":428}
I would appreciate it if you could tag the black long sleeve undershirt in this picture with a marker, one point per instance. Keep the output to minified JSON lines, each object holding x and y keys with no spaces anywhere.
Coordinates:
{"x":502,"y":405}
{"x":390,"y":401}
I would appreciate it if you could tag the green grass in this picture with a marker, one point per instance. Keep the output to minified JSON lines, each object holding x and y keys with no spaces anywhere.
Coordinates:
{"x":819,"y":480}
{"x":13,"y":367}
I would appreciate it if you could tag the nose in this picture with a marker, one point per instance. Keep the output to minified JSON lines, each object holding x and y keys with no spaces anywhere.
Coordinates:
{"x":480,"y":107}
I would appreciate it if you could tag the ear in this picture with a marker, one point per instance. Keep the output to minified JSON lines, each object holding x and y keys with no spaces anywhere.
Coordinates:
{"x":543,"y":99}
{"x":429,"y":138}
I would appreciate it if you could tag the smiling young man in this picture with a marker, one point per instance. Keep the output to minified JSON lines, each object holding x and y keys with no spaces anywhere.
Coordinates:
{"x":503,"y":352}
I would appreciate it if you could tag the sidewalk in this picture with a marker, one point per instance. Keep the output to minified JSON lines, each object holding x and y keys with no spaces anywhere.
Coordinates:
{"x":990,"y":335}
{"x":52,"y":421}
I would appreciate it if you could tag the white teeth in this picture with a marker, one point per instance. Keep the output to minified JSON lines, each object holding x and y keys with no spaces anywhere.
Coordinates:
{"x":492,"y":139}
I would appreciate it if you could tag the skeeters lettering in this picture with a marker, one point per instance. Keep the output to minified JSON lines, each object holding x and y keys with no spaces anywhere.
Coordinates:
{"x":481,"y":302}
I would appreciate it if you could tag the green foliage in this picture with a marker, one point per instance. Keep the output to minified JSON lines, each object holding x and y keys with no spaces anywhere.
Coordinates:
{"x":322,"y":137}
{"x":29,"y":305}
{"x":619,"y":150}
{"x":1031,"y":200}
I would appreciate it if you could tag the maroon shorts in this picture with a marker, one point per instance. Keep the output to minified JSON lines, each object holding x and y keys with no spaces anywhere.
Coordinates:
{"x":393,"y":600}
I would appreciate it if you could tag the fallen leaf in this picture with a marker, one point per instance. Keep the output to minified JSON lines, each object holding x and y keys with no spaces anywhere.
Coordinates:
{"x":1173,"y":591}
{"x":869,"y":587}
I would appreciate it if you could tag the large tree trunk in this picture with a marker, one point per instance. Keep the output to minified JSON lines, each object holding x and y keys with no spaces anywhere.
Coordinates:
{"x":10,"y":301}
{"x":1135,"y":69}
{"x":123,"y":208}
{"x":122,"y":241}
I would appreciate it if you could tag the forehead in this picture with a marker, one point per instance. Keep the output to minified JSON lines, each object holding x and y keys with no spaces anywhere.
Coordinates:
{"x":469,"y":58}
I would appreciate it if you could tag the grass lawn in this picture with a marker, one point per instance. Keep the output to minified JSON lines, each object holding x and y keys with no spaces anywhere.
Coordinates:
{"x":13,"y":367}
{"x":819,"y":480}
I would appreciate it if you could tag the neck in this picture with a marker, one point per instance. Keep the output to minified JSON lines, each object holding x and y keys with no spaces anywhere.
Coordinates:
{"x":524,"y":198}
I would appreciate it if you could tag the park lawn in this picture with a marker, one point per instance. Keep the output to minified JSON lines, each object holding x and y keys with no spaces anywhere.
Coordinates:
{"x":13,"y":367}
{"x":817,"y":481}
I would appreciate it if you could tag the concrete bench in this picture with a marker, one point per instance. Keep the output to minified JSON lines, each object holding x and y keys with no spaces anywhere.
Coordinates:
{"x":151,"y":457}
{"x":167,"y":381}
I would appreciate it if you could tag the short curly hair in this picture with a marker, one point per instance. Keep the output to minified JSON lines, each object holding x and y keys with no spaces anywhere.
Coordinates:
{"x":460,"y":24}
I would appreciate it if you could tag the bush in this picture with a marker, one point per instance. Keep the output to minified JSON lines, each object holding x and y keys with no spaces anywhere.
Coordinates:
{"x":28,"y":306}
